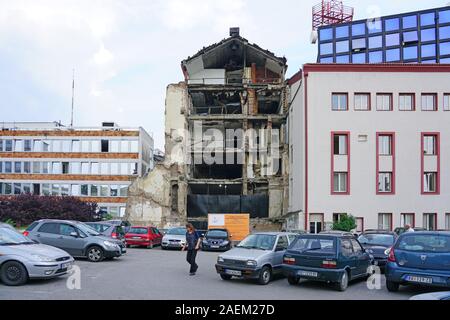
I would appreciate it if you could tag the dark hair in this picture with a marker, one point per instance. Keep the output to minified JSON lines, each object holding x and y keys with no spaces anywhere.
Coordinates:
{"x":190,"y":226}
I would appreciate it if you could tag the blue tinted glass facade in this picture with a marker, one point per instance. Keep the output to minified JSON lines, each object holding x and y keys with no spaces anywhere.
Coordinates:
{"x":415,"y":37}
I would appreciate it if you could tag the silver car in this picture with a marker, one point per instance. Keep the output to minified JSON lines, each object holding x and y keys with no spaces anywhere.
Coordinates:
{"x":22,"y":259}
{"x":259,"y":257}
{"x":175,"y":238}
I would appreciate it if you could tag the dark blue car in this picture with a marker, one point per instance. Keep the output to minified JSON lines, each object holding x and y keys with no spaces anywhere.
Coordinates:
{"x":333,"y":258}
{"x":216,"y":240}
{"x":421,"y":258}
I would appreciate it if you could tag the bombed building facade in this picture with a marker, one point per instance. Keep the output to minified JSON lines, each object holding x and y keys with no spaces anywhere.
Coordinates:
{"x":226,"y":147}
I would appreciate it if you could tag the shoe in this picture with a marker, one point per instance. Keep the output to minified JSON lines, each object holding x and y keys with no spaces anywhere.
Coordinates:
{"x":192,"y":274}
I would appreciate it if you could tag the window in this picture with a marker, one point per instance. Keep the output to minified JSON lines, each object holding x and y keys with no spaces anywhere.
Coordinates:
{"x":409,"y":22}
{"x":56,"y":146}
{"x":385,"y":221}
{"x":125,"y":146}
{"x":375,"y":42}
{"x":385,"y":145}
{"x":18,"y":146}
{"x":342,"y":32}
{"x":410,"y":53}
{"x":323,"y":60}
{"x":94,"y":191}
{"x":392,"y":39}
{"x":374,"y":26}
{"x":343,"y":59}
{"x":76,"y":146}
{"x":52,"y":228}
{"x":124,"y":169}
{"x":96,"y":146}
{"x":26,"y":188}
{"x":384,"y":101}
{"x":444,"y":16}
{"x":1,"y":145}
{"x":358,"y":29}
{"x":27,"y":167}
{"x":429,"y":102}
{"x":85,"y":146}
{"x":123,"y":191}
{"x":114,"y":169}
{"x":75,"y":190}
{"x":105,"y":145}
{"x":8,"y":145}
{"x":428,"y":34}
{"x":427,"y":19}
{"x":375,"y":56}
{"x":56,"y":168}
{"x":392,"y":55}
{"x":362,"y":101}
{"x":104,"y":168}
{"x":359,"y":44}
{"x":408,"y":219}
{"x":392,"y":24}
{"x":339,"y":101}
{"x":430,"y":145}
{"x":46,"y":146}
{"x":17,"y":188}
{"x":46,"y":189}
{"x":346,"y":248}
{"x":357,"y":249}
{"x":46,"y":167}
{"x":411,"y":36}
{"x":444,"y":48}
{"x":406,"y":102}
{"x":36,"y":167}
{"x":359,"y":58}
{"x":104,"y":191}
{"x":65,"y":167}
{"x":95,"y":169}
{"x":85,"y":168}
{"x":428,"y":50}
{"x":17,"y":167}
{"x":340,"y":182}
{"x":75,"y":168}
{"x":326,"y":34}
{"x":114,"y":191}
{"x":430,"y":182}
{"x":66,"y":145}
{"x":447,"y":102}
{"x":85,"y":190}
{"x":429,"y":221}
{"x":65,"y":188}
{"x":326,"y":48}
{"x":115,"y":144}
{"x":338,"y":216}
{"x":66,"y":230}
{"x":447,"y":221}
{"x":444,"y":33}
{"x":340,"y":144}
{"x":27,"y":145}
{"x":385,"y":182}
{"x":8,"y":167}
{"x":8,"y":188}
{"x":55,"y":190}
{"x":342,"y":46}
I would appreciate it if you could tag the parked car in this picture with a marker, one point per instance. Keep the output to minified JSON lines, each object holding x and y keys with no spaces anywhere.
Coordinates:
{"x":201,"y":233}
{"x":123,"y":223}
{"x":376,"y":242}
{"x":336,"y":258}
{"x":421,"y":258}
{"x":175,"y":238}
{"x":6,"y":225}
{"x":259,"y":256}
{"x":143,"y":237}
{"x":437,"y":296}
{"x":216,"y":240}
{"x":22,"y":259}
{"x":402,"y":230}
{"x":109,"y":230}
{"x":75,"y":237}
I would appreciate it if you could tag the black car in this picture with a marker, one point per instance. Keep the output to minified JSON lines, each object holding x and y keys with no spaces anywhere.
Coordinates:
{"x":216,"y":240}
{"x":376,"y":242}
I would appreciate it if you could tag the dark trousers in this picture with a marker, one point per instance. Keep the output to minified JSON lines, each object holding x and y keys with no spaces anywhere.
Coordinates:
{"x":190,"y":258}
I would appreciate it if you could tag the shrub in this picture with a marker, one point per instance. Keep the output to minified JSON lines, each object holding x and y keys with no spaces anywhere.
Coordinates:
{"x":26,"y":208}
{"x":346,"y":223}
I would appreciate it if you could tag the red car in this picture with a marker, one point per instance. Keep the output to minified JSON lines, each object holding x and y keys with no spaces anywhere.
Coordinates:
{"x":143,"y":237}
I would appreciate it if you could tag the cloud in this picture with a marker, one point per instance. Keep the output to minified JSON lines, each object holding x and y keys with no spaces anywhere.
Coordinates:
{"x":103,"y":56}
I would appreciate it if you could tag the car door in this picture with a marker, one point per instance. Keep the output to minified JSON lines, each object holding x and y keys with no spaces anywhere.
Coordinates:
{"x":347,"y":256}
{"x":362,"y":258}
{"x":156,"y":237}
{"x":279,"y":251}
{"x":47,"y":233}
{"x":71,"y":243}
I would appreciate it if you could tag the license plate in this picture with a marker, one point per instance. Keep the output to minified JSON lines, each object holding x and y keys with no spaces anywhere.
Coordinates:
{"x":308,"y":274}
{"x":66,"y":265}
{"x":137,"y":238}
{"x":233,"y":273}
{"x":215,"y":247}
{"x":419,"y":279}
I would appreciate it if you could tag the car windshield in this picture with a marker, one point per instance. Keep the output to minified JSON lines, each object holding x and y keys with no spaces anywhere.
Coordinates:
{"x":87,"y":229}
{"x":177,"y":231}
{"x":308,"y":244}
{"x":217,"y":234}
{"x":425,"y":243}
{"x":377,"y":239}
{"x":138,"y":230}
{"x":10,"y":237}
{"x":258,"y":241}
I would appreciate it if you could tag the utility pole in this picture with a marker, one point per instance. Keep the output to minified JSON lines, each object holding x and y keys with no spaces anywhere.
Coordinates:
{"x":73,"y":96}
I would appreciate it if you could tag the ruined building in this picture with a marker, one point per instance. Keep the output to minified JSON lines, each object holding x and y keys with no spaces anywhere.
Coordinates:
{"x":226,"y":145}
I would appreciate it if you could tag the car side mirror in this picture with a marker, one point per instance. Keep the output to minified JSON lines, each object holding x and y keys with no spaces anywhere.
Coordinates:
{"x":278,"y":249}
{"x":74,"y":234}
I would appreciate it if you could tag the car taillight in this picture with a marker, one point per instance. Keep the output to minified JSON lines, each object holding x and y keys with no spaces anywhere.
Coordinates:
{"x":391,"y":257}
{"x":114,"y":235}
{"x":329,"y":264}
{"x":288,"y":260}
{"x":26,"y":233}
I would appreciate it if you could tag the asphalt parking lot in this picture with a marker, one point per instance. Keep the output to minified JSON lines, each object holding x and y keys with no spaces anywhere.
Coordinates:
{"x":163,"y":275}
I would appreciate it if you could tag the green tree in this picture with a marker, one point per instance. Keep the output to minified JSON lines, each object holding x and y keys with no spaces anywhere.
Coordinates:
{"x":346,"y":223}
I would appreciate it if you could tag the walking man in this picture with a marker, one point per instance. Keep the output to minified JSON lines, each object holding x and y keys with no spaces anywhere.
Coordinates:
{"x":192,"y":246}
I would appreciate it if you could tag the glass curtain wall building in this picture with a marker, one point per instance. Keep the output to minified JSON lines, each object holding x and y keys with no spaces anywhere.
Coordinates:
{"x":415,"y":37}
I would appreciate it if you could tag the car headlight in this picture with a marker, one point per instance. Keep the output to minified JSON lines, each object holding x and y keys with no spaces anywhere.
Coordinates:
{"x":109,"y":244}
{"x":225,"y":242}
{"x":40,"y":258}
{"x":252,"y":263}
{"x":220,"y":259}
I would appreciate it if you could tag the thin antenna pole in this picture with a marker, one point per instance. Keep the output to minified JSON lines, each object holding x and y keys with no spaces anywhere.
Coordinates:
{"x":73,"y":96}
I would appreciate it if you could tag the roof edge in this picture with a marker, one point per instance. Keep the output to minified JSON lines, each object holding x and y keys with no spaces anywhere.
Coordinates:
{"x":382,"y":67}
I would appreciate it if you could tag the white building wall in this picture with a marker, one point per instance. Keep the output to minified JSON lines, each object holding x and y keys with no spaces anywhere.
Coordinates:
{"x":363,"y":200}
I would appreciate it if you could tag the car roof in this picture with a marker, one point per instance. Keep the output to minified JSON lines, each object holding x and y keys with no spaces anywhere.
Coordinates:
{"x":337,"y":233}
{"x":59,"y":221}
{"x":375,"y":231}
{"x":406,"y":234}
{"x":274,"y":233}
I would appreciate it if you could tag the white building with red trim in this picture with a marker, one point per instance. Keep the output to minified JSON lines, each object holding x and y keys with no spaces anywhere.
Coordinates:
{"x":371,"y":141}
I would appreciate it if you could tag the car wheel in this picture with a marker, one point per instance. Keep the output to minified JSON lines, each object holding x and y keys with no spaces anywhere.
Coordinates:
{"x":392,"y":286}
{"x":265,"y":276}
{"x":150,"y":245}
{"x":13,"y":273}
{"x":342,"y":285}
{"x":95,"y":254}
{"x":225,"y":277}
{"x":293,"y":280}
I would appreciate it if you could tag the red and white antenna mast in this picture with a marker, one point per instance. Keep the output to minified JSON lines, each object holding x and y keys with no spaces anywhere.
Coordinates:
{"x":330,"y":12}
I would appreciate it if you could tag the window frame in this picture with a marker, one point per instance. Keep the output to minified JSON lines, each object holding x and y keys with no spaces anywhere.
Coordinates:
{"x":435,"y":221}
{"x":391,"y":101}
{"x":407,"y":214}
{"x":435,"y":101}
{"x":339,"y":94}
{"x":369,"y":101}
{"x":390,"y":215}
{"x":446,"y":98}
{"x":413,"y":101}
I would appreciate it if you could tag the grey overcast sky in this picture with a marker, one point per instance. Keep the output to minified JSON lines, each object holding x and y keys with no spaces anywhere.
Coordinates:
{"x":125,"y":52}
